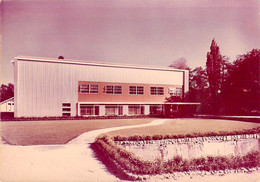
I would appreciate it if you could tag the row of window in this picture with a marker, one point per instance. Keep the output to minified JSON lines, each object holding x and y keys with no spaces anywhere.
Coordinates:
{"x":86,"y":110}
{"x":117,"y":89}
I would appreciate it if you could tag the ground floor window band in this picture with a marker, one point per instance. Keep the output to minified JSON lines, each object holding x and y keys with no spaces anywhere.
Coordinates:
{"x":168,"y":109}
{"x":112,"y":109}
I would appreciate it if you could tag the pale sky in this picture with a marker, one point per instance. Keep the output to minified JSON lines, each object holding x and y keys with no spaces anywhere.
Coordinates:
{"x":148,"y":32}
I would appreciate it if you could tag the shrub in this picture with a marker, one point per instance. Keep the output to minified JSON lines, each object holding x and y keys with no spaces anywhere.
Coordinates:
{"x":129,"y":162}
{"x":193,"y":135}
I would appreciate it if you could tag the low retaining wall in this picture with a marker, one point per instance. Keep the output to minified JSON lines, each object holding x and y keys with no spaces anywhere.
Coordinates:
{"x":189,"y":148}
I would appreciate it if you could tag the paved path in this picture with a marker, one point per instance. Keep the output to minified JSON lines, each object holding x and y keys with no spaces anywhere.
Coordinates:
{"x":69,"y":162}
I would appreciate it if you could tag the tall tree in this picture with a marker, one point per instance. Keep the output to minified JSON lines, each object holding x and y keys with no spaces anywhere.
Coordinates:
{"x":213,"y":68}
{"x":6,"y":91}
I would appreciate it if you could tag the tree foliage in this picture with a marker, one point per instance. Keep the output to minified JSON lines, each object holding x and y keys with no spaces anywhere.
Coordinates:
{"x":241,"y":91}
{"x":224,"y":87}
{"x":7,"y":91}
{"x":180,"y":63}
{"x":213,"y":68}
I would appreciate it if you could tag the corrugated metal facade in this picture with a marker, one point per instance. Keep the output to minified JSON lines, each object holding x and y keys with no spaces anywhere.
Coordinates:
{"x":42,"y":86}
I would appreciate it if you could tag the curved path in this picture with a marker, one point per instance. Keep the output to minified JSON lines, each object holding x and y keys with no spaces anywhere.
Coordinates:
{"x":69,"y":162}
{"x":74,"y":162}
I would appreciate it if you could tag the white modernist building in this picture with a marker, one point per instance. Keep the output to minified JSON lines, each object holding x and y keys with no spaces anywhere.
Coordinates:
{"x":58,"y":87}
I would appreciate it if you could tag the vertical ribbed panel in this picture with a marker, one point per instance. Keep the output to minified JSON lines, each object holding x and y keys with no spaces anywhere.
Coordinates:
{"x":42,"y":87}
{"x":186,"y":81}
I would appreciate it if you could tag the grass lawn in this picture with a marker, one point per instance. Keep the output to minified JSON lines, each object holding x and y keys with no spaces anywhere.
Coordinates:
{"x":187,"y":126}
{"x":56,"y":132}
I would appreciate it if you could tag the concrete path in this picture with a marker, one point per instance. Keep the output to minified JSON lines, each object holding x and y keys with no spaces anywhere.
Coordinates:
{"x":69,"y":162}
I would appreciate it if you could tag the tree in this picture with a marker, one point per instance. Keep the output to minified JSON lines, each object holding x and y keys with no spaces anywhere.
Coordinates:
{"x":213,"y":68}
{"x":7,"y":91}
{"x":241,"y":91}
{"x":198,"y":79}
{"x":180,"y":63}
{"x":199,"y":88}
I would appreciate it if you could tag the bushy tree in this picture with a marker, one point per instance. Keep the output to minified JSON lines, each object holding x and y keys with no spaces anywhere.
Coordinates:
{"x":180,"y":63}
{"x":241,"y":91}
{"x":199,"y":88}
{"x":7,"y":91}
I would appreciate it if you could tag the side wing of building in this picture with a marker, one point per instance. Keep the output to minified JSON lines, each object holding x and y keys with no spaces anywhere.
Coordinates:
{"x":59,"y":87}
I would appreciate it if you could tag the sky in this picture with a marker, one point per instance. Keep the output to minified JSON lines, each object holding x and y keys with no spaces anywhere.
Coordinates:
{"x":145,"y":32}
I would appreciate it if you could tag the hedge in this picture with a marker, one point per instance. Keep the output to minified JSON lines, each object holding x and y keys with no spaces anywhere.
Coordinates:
{"x":128,"y":162}
{"x":193,"y":135}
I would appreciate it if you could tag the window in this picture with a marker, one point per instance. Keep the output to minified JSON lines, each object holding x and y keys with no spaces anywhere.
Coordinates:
{"x":88,"y":89}
{"x":117,"y":89}
{"x":155,"y":109}
{"x":157,"y":91}
{"x":135,"y":110}
{"x":139,"y":90}
{"x":88,"y":110}
{"x":66,"y":114}
{"x":178,"y":91}
{"x":113,"y":89}
{"x":65,"y":104}
{"x":66,"y":109}
{"x":175,"y":91}
{"x":113,"y":110}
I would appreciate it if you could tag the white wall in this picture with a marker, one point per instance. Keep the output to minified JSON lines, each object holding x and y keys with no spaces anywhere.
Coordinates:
{"x":7,"y":107}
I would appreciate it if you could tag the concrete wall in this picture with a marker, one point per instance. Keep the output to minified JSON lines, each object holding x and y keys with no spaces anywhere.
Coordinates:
{"x":190,"y":148}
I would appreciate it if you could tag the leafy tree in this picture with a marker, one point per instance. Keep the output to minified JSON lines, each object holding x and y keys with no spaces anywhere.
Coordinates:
{"x":241,"y":91}
{"x":199,"y":88}
{"x":198,"y":79}
{"x":7,"y":91}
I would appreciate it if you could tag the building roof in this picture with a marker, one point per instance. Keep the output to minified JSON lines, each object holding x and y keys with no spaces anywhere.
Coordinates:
{"x":7,"y":100}
{"x":106,"y":64}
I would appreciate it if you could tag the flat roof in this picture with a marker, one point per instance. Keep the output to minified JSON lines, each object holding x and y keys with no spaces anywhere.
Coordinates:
{"x":106,"y":64}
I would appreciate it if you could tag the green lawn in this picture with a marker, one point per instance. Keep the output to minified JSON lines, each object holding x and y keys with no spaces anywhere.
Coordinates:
{"x":56,"y":132}
{"x":60,"y":132}
{"x":187,"y":126}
